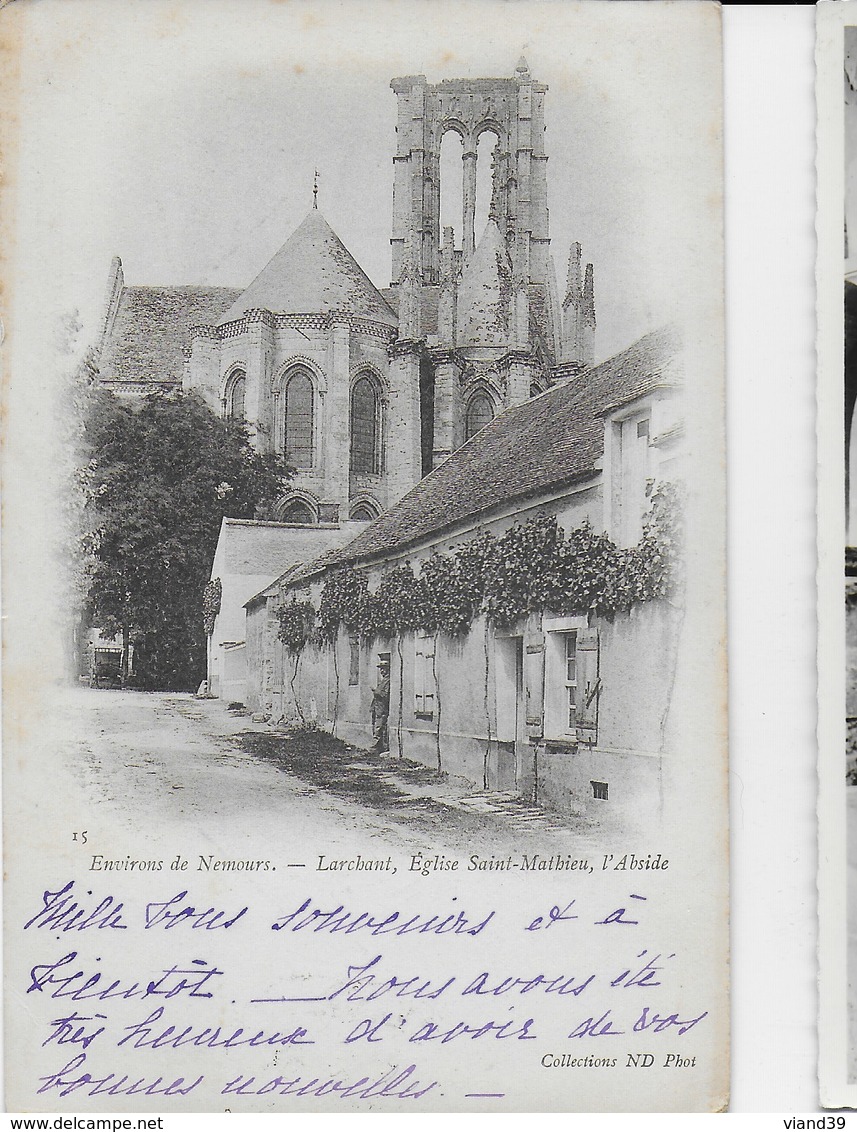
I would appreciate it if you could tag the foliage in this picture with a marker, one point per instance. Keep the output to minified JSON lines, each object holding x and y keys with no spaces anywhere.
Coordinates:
{"x":341,"y":599}
{"x":661,"y":548}
{"x":396,"y":606}
{"x":520,"y":567}
{"x":533,"y":567}
{"x":297,"y":619}
{"x":158,"y":476}
{"x":455,"y":586}
{"x":211,"y":604}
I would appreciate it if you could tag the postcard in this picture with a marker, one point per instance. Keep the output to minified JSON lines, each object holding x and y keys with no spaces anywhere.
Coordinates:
{"x":836,"y":59}
{"x":364,"y":575}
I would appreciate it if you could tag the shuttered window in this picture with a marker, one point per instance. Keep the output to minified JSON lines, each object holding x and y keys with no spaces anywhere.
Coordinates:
{"x":425,"y":686}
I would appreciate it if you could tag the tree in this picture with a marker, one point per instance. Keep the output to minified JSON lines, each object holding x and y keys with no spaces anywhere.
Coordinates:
{"x":159,"y":476}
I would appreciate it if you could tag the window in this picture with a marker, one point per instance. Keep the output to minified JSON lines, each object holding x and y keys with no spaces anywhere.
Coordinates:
{"x":570,"y":681}
{"x":425,"y":685}
{"x":296,"y":511}
{"x":363,"y":513}
{"x":353,"y":660}
{"x":235,"y":397}
{"x":599,"y":790}
{"x":299,"y":419}
{"x":572,"y":686}
{"x":365,"y":404}
{"x":480,"y":412}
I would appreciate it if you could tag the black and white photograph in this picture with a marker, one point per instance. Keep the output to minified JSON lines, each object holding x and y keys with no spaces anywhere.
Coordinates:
{"x":365,"y":634}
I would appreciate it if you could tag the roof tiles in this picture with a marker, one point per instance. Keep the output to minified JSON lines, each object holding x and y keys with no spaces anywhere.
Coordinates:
{"x":552,"y":439}
{"x":313,"y":273}
{"x":151,"y":328}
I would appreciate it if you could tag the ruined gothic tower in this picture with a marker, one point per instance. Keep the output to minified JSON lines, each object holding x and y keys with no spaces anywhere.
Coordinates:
{"x":479,"y":322}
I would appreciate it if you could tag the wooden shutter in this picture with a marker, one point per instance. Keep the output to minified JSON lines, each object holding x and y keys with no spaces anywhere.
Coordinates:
{"x":424,"y":680}
{"x":588,"y":686}
{"x":534,"y":679}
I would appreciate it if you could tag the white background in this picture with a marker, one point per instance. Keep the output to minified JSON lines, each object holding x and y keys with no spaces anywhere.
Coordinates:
{"x":770,"y":215}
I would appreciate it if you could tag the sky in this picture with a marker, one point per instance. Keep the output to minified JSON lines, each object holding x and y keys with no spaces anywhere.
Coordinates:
{"x":183,"y":137}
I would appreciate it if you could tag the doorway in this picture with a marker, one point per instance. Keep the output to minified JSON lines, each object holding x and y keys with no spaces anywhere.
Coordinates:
{"x":512,"y":747}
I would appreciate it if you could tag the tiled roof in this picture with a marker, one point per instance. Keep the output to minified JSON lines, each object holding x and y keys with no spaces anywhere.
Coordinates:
{"x":553,"y":439}
{"x":289,"y":556}
{"x":313,"y":273}
{"x":151,"y":328}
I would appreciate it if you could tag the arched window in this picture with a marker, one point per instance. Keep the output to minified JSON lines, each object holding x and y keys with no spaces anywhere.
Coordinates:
{"x":363,"y":513}
{"x":296,"y":511}
{"x":235,"y":397}
{"x":365,"y":405}
{"x":298,"y":422}
{"x":480,"y":412}
{"x":451,"y":186}
{"x":486,"y":150}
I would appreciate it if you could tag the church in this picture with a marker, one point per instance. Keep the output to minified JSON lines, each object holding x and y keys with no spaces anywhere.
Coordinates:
{"x":363,"y":389}
{"x":462,"y":403}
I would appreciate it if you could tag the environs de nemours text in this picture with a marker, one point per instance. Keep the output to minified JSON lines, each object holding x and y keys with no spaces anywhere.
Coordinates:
{"x":422,"y":864}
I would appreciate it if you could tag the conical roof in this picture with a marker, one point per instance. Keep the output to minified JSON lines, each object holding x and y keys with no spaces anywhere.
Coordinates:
{"x":313,"y":273}
{"x":484,"y":292}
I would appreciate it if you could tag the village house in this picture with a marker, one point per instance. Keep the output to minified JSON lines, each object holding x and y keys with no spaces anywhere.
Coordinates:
{"x":571,"y":709}
{"x":248,"y":554}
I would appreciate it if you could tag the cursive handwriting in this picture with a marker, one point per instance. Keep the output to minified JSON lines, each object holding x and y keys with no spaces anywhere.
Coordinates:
{"x":150,"y":1034}
{"x":338,"y":919}
{"x":61,"y":912}
{"x":392,"y":1083}
{"x":187,"y":1022}
{"x":111,"y":1084}
{"x":61,"y":982}
{"x":170,"y":913}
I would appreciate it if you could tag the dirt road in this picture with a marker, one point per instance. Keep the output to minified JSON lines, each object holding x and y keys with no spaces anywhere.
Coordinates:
{"x":170,"y":763}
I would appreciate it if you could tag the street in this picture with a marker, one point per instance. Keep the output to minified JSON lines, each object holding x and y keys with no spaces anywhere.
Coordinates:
{"x":171,"y":763}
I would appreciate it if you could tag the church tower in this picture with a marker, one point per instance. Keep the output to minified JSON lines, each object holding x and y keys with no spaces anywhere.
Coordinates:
{"x":511,"y":109}
{"x":493,"y":326}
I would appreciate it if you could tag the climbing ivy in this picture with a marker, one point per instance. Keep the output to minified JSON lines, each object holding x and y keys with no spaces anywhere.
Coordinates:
{"x":297,"y":619}
{"x":343,"y":597}
{"x":211,"y":604}
{"x":532,"y":567}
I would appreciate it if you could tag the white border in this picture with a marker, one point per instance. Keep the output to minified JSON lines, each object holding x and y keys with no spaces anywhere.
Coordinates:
{"x":770,"y":250}
{"x":834,"y":991}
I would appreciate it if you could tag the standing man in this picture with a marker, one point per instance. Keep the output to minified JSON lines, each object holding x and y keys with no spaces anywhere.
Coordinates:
{"x":381,"y":707}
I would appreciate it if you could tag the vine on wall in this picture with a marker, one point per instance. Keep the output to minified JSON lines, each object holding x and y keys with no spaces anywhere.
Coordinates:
{"x":532,"y":567}
{"x":297,"y":620}
{"x":211,"y":596}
